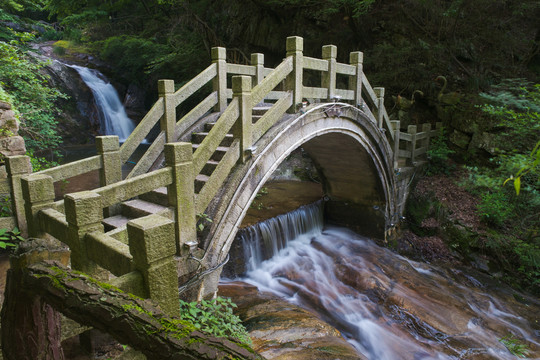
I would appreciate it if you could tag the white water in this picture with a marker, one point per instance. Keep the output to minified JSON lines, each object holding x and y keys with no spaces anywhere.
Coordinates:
{"x":112,"y":115}
{"x":386,"y":306}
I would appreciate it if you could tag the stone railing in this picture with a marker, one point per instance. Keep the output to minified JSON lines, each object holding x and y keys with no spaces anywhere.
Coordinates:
{"x":415,"y":144}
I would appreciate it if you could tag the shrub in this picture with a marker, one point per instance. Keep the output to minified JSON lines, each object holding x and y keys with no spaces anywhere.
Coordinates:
{"x":215,"y":317}
{"x":438,"y":155}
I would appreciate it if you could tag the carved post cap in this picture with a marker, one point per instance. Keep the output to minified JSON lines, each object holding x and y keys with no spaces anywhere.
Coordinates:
{"x":151,"y":238}
{"x":356,"y":57}
{"x":241,"y":84}
{"x":294,"y":44}
{"x":19,"y":164}
{"x":38,"y":188}
{"x":329,"y":51}
{"x":107,"y":143}
{"x":411,"y":129}
{"x":165,"y":87}
{"x":83,"y":208}
{"x":257,"y":59}
{"x":219,"y":53}
{"x":178,"y":153}
{"x":379,"y":91}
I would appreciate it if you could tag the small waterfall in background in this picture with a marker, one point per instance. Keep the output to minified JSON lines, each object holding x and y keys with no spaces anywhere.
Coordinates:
{"x":112,"y":115}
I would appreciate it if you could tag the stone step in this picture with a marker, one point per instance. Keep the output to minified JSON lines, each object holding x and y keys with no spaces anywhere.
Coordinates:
{"x":209,"y":168}
{"x":198,"y":138}
{"x":157,"y":196}
{"x":200,"y":181}
{"x":115,"y":222}
{"x":208,"y":126}
{"x":260,"y":110}
{"x":218,"y":154}
{"x":139,"y":208}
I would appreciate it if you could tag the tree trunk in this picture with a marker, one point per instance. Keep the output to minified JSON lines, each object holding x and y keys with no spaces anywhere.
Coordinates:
{"x":130,"y":320}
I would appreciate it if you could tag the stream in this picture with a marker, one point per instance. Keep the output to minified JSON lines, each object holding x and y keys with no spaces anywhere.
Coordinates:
{"x":387,"y":306}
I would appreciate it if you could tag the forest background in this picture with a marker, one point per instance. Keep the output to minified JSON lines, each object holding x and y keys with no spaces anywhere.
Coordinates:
{"x":486,"y":52}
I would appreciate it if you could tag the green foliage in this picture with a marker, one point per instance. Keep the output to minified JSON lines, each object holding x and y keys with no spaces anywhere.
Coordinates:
{"x":10,"y":239}
{"x":202,"y":221}
{"x":495,"y":208}
{"x":438,"y":155}
{"x":31,"y":96}
{"x":40,"y":163}
{"x":215,"y":317}
{"x":5,"y":206}
{"x":515,"y":346}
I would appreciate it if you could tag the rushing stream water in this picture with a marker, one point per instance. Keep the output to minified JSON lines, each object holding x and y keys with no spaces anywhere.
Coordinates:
{"x":386,"y":306}
{"x":112,"y":114}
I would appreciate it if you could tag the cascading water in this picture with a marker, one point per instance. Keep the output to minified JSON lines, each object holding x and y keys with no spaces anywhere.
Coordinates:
{"x":386,"y":306}
{"x":112,"y":115}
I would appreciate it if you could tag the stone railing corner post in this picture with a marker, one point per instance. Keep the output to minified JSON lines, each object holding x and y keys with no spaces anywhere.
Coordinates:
{"x":294,"y":81}
{"x":219,"y":57}
{"x":356,"y":58}
{"x":412,"y":130}
{"x":168,"y":120}
{"x":38,"y":194}
{"x":379,"y":92}
{"x":257,"y":60}
{"x":152,"y":245}
{"x":17,"y":167}
{"x":84,"y":214}
{"x":329,"y":53}
{"x":243,"y":127}
{"x":181,"y":193}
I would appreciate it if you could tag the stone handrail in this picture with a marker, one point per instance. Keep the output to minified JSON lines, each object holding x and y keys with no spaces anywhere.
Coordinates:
{"x":417,"y":143}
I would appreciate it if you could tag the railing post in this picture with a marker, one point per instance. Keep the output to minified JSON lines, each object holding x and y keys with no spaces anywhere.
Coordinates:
{"x":395,"y":128}
{"x":295,"y":47}
{"x":108,"y":147}
{"x":411,"y":129}
{"x":83,"y":215}
{"x":329,"y":53}
{"x":152,"y":245}
{"x":16,"y":167}
{"x":257,"y":60}
{"x":243,"y":126}
{"x":356,"y":59}
{"x":426,"y":128}
{"x":38,"y":194}
{"x":181,"y":193}
{"x":219,"y":57}
{"x":168,"y":120}
{"x":379,"y":92}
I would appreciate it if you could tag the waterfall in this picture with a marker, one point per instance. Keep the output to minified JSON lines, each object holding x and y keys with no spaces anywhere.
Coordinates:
{"x":266,"y":238}
{"x":112,"y":115}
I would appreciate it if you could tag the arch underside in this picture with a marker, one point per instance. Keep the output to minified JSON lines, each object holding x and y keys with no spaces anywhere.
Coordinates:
{"x":352,"y":156}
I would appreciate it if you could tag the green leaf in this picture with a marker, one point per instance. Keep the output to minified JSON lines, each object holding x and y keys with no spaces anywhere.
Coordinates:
{"x":517,"y":185}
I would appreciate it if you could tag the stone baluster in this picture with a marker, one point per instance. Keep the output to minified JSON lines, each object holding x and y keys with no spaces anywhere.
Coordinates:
{"x":426,"y":128}
{"x":379,"y":92}
{"x":356,"y":59}
{"x":38,"y":194}
{"x":84,"y":214}
{"x":411,"y":129}
{"x":152,"y":245}
{"x":329,"y":53}
{"x":395,"y":129}
{"x":257,"y":60}
{"x":219,"y":57}
{"x":181,"y":193}
{"x":17,"y":167}
{"x":243,"y":126}
{"x":294,"y":81}
{"x":108,"y":147}
{"x":168,"y":120}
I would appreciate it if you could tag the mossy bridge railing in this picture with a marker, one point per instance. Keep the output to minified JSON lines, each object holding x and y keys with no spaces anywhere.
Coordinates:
{"x":142,"y":254}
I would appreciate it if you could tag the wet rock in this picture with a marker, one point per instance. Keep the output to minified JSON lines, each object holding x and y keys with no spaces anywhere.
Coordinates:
{"x":484,"y":141}
{"x":280,"y":330}
{"x":460,"y":139}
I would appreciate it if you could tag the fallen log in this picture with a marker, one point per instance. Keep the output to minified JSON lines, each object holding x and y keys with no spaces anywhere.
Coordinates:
{"x":130,"y":320}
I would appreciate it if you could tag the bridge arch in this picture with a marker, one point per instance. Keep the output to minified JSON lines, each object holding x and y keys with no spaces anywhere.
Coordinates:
{"x":353,"y":158}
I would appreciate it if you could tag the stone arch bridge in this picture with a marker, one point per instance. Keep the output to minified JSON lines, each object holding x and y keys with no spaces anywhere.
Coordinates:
{"x":141,"y":225}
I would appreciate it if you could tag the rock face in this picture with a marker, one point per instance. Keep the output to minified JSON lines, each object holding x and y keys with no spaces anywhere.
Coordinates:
{"x":282,"y":331}
{"x":10,"y":142}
